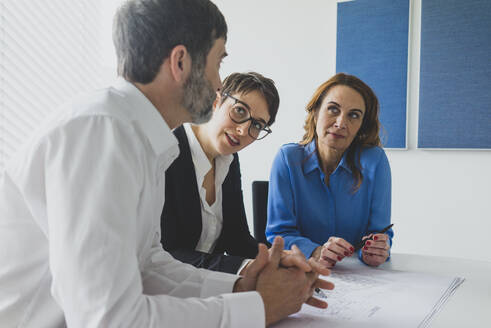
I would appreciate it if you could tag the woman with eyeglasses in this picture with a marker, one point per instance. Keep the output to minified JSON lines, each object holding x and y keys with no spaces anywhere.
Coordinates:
{"x":330,"y":194}
{"x":204,"y":216}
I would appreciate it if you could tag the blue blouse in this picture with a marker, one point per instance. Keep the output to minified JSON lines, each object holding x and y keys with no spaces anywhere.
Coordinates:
{"x":306,"y":212}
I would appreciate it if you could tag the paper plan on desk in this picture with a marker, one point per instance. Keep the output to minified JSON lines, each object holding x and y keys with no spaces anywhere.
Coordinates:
{"x":367,"y":297}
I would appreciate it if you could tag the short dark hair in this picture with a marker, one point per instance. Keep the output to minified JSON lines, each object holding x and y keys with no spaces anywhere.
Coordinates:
{"x":252,"y":81}
{"x":145,"y":32}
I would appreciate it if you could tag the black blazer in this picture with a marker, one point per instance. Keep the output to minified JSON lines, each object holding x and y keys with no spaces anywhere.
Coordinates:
{"x":181,"y":220}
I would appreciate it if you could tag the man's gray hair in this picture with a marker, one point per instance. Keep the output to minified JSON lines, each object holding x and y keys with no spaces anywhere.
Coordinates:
{"x":145,"y":32}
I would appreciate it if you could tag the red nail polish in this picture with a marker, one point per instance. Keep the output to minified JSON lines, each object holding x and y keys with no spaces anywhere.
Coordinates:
{"x":346,"y":254}
{"x":339,"y":258}
{"x":375,"y":238}
{"x":365,"y":248}
{"x":369,"y":243}
{"x":352,"y":249}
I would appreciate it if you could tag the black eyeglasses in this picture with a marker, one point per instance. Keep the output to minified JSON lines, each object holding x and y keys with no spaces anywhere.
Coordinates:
{"x":240,"y":113}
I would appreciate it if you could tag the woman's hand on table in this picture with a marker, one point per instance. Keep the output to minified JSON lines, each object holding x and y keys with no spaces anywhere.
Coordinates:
{"x":376,"y":249}
{"x":333,"y":251}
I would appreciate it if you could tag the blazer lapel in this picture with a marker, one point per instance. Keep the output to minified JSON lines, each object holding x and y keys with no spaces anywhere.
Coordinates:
{"x":187,"y":187}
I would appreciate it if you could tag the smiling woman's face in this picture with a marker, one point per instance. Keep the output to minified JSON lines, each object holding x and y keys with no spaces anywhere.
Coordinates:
{"x":339,"y":118}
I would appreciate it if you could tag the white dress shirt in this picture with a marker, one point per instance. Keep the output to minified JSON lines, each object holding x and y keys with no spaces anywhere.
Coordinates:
{"x":80,"y":208}
{"x":211,"y":215}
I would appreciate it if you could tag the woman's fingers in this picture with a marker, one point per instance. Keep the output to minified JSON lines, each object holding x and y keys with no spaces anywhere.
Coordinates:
{"x":380,"y":237}
{"x":327,"y":263}
{"x":340,"y":247}
{"x":329,"y":255}
{"x":373,"y":260}
{"x":345,"y":248}
{"x":379,"y":247}
{"x":375,"y":252}
{"x":376,"y":249}
{"x":377,"y":244}
{"x":334,"y":250}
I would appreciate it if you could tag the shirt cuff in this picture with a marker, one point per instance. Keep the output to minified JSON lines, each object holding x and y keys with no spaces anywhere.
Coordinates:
{"x":242,"y":266}
{"x":245,"y":309}
{"x":217,"y":283}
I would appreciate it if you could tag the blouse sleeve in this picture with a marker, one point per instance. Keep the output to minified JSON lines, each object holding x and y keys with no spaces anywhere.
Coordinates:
{"x":282,"y":217}
{"x":380,"y":209}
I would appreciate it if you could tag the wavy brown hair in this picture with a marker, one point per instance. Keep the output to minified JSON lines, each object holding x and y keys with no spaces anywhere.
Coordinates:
{"x":367,"y":136}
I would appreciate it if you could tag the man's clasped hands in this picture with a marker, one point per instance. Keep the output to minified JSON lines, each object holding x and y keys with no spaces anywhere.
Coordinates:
{"x":285,"y":279}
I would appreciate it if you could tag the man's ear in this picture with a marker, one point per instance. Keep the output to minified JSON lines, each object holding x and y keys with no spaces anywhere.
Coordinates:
{"x":217,"y":101}
{"x":180,"y":63}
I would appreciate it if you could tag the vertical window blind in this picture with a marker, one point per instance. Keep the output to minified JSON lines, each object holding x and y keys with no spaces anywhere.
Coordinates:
{"x":50,"y":51}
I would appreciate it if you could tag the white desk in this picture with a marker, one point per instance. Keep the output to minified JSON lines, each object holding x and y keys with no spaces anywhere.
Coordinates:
{"x":469,"y":306}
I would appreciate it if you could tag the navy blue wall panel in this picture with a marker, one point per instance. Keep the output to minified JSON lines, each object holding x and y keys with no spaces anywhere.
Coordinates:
{"x":372,"y":43}
{"x":455,"y":81}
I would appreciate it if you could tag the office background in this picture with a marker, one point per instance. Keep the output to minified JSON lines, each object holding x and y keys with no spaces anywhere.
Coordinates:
{"x":372,"y":43}
{"x":441,"y":199}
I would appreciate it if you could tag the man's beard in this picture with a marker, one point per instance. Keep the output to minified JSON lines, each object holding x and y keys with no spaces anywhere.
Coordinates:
{"x":198,"y":96}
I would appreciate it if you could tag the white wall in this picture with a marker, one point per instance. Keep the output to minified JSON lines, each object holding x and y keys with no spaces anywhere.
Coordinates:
{"x":441,"y":199}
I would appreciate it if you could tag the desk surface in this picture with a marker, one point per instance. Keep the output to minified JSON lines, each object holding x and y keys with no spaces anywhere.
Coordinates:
{"x":470,"y":306}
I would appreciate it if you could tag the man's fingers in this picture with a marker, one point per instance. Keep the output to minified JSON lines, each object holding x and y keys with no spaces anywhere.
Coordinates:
{"x":312,"y":301}
{"x":276,"y":251}
{"x":323,"y":284}
{"x":295,"y":258}
{"x":260,"y":262}
{"x":319,"y":268}
{"x":297,"y":250}
{"x":296,"y":261}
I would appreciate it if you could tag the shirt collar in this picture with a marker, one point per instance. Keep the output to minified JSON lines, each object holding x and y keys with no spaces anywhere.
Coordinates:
{"x":312,"y":159}
{"x":222,"y":167}
{"x":146,"y":116}
{"x":344,"y":163}
{"x":201,"y":163}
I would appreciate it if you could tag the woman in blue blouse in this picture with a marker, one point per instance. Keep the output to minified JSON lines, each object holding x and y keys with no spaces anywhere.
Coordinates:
{"x":333,"y":189}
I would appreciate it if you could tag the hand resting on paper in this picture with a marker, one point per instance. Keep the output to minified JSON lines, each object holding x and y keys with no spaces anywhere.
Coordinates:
{"x":283,"y":289}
